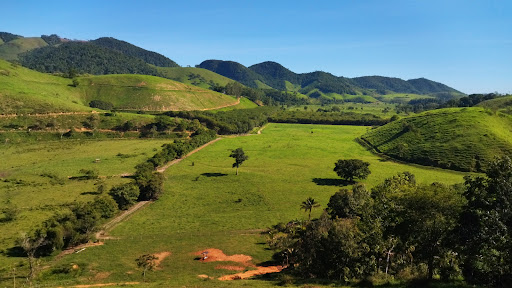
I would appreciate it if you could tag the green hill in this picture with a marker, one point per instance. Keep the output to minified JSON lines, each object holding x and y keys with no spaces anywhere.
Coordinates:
{"x":141,"y":92}
{"x":26,"y":91}
{"x":134,"y":51}
{"x":11,"y":49}
{"x":455,"y":138}
{"x":84,"y":58}
{"x":194,"y":76}
{"x":503,"y":104}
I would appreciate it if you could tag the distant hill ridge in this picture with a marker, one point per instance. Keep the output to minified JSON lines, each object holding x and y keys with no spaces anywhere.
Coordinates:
{"x":276,"y":76}
{"x":106,"y":55}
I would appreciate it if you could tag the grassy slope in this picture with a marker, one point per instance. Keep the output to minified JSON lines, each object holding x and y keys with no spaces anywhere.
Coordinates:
{"x":150,"y":93}
{"x":181,"y":74}
{"x":11,"y":49}
{"x":501,"y":104}
{"x":27,"y":91}
{"x":402,"y":97}
{"x":38,"y":199}
{"x":446,"y":137}
{"x":201,"y":208}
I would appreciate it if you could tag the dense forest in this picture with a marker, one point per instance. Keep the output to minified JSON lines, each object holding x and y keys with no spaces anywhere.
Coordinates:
{"x":84,"y":58}
{"x":134,"y":51}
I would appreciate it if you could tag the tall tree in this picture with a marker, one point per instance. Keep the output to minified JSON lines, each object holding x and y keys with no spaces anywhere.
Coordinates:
{"x":147,"y":262}
{"x":308,"y":206}
{"x":239,"y":156}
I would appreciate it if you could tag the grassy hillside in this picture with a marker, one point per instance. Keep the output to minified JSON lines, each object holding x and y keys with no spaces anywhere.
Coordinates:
{"x":140,"y":92}
{"x":10,"y":50}
{"x":25,"y":91}
{"x":503,"y":104}
{"x":194,"y":76}
{"x":206,"y":206}
{"x":455,"y":138}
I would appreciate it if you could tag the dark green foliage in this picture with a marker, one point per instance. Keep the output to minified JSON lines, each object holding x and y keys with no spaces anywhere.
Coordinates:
{"x":85,"y":58}
{"x":100,"y":104}
{"x":134,"y":51}
{"x":105,"y":205}
{"x":6,"y":37}
{"x":124,"y":195}
{"x":352,"y":168}
{"x":233,"y":70}
{"x":239,"y":155}
{"x":9,"y":213}
{"x":51,"y":39}
{"x":395,"y":229}
{"x":331,"y":118}
{"x":229,"y":122}
{"x":485,"y":226}
{"x":274,"y":74}
{"x":89,"y":174}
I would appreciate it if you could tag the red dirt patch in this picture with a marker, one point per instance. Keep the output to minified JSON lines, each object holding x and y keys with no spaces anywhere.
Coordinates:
{"x":213,"y":254}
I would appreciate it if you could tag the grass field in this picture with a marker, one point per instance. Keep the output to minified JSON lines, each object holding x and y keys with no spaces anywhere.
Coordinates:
{"x":34,"y":178}
{"x":11,"y":49}
{"x":206,"y":206}
{"x":380,"y":109}
{"x":193,"y":76}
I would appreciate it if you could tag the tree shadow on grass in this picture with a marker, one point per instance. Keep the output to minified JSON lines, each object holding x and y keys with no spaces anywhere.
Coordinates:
{"x":90,"y":193}
{"x":214,"y":174}
{"x":331,"y":182}
{"x":15,"y":251}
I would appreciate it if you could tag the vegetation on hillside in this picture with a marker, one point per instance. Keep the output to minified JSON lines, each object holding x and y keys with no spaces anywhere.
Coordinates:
{"x":84,"y":58}
{"x":134,"y":51}
{"x":454,"y":138}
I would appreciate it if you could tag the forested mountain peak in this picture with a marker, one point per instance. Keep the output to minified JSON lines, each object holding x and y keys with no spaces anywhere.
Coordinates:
{"x":134,"y":51}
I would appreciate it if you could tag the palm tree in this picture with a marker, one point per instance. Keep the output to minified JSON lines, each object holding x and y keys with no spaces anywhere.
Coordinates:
{"x":308,"y":205}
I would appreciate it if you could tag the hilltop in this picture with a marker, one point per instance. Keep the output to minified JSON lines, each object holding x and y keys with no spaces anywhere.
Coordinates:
{"x":106,"y":55}
{"x":323,"y":84}
{"x":455,"y":138}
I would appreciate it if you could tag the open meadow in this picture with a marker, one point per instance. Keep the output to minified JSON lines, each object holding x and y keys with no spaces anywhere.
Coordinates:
{"x":40,"y":179}
{"x":205,"y":205}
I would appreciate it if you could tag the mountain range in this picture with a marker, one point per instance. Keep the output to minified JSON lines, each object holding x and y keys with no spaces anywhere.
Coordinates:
{"x":107,"y":55}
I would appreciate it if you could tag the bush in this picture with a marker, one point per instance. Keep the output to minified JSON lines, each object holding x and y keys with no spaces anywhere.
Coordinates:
{"x":125,"y":195}
{"x":103,"y":105}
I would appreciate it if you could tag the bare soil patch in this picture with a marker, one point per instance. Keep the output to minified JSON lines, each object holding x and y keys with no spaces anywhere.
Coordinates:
{"x":160,"y":257}
{"x":212,"y":254}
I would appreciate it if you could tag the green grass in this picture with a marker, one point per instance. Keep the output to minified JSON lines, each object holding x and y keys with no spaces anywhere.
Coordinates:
{"x":401,"y":97}
{"x":503,"y":104}
{"x":11,"y":49}
{"x":182,"y":74}
{"x":23,"y":186}
{"x":447,"y":137}
{"x":206,"y":206}
{"x":376,"y":108}
{"x":150,"y":93}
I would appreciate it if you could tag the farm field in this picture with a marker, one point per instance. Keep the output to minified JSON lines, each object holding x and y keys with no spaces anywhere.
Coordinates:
{"x":34,"y":178}
{"x":206,"y":206}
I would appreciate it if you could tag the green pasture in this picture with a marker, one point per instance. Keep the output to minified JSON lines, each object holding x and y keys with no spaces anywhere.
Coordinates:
{"x":187,"y":75}
{"x":378,"y":108}
{"x":35,"y":178}
{"x":401,"y":97}
{"x":11,"y":49}
{"x":206,"y":206}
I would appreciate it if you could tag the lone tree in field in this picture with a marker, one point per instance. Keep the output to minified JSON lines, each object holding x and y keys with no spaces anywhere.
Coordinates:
{"x":352,"y":168}
{"x":239,"y":156}
{"x":308,"y":205}
{"x":146,"y":262}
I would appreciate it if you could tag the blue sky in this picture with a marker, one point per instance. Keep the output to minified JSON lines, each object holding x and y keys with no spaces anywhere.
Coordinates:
{"x":466,"y":44}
